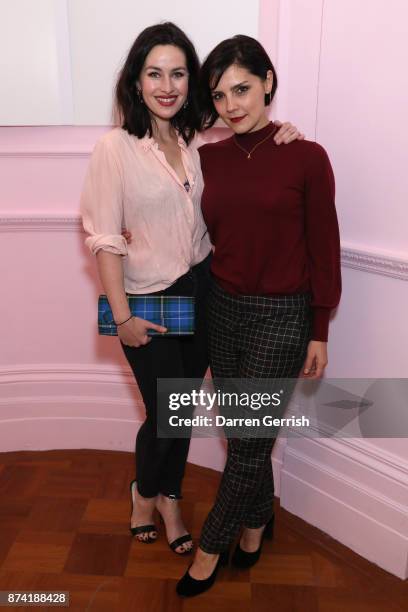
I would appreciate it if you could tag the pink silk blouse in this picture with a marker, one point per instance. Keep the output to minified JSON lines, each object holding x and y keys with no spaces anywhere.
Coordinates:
{"x":129,"y":184}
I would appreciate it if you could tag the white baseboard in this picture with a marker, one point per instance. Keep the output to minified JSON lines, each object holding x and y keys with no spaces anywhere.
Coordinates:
{"x":355,"y":492}
{"x":44,"y":407}
{"x":69,"y":406}
{"x":38,"y":434}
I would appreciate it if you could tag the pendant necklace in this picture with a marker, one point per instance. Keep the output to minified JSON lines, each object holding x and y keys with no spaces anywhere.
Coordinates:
{"x":249,"y":153}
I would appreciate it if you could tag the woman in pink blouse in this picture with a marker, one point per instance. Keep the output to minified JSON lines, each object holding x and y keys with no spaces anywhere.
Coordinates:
{"x":146,"y":176}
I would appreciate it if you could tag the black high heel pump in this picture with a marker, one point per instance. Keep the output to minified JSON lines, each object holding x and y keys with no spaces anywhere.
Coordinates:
{"x":190,"y":587}
{"x":243,"y":559}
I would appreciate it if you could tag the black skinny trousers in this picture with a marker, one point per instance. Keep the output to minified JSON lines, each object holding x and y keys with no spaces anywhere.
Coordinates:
{"x":160,"y":462}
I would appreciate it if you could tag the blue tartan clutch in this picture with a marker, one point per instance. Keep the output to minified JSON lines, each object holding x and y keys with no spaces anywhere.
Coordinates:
{"x":172,"y":311}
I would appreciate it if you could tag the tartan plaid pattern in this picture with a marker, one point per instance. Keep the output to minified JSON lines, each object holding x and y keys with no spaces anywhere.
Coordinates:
{"x":172,"y":311}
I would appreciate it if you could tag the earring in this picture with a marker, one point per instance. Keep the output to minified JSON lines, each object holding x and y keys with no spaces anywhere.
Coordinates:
{"x":185,"y":105}
{"x":139,"y":95}
{"x":267,"y":99}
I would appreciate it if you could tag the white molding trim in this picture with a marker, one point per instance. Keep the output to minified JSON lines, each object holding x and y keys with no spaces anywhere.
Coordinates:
{"x":80,"y":373}
{"x":358,"y":259}
{"x":358,"y":449}
{"x":80,"y":152}
{"x":54,"y":223}
{"x":362,"y":453}
{"x":77,"y":401}
{"x":376,"y":263}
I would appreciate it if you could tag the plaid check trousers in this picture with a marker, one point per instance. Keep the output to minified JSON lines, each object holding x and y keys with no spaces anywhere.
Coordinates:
{"x":251,"y":337}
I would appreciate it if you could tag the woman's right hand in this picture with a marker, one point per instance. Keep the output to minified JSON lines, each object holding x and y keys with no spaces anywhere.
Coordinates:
{"x":127,"y":235}
{"x":134,"y":331}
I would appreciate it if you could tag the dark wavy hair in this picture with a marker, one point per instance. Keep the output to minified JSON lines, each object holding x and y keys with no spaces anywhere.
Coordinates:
{"x":133,"y":114}
{"x":241,"y":50}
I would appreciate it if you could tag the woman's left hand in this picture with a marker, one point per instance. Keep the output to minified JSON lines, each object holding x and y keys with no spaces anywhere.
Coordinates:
{"x":316,"y":360}
{"x":287,"y":133}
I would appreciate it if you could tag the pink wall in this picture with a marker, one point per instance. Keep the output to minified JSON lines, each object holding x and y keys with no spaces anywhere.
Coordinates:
{"x":61,"y":386}
{"x":339,"y":65}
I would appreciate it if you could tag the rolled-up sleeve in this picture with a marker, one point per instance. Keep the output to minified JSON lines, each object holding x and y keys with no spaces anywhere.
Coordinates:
{"x":102,"y":202}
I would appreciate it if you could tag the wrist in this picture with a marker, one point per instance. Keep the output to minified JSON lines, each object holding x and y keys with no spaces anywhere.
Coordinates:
{"x":119,"y":322}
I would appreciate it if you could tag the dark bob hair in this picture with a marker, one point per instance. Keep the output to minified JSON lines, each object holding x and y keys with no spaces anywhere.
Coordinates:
{"x":241,"y":50}
{"x":133,"y":114}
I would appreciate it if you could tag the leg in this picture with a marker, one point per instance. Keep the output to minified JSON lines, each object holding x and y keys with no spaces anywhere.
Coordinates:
{"x":223,"y":362}
{"x":271,"y":341}
{"x":261,"y":508}
{"x":160,"y":358}
{"x":274,"y":348}
{"x":194,"y":356}
{"x":222,"y":318}
{"x":194,"y":364}
{"x":239,"y":486}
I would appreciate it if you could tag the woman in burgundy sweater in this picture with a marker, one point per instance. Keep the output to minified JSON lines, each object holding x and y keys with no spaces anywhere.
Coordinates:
{"x":276,"y":276}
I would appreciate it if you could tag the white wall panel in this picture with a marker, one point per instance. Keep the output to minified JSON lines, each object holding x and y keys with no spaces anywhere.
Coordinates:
{"x":361,"y":118}
{"x":297,"y":66}
{"x":102,"y":32}
{"x":43,"y":42}
{"x":29,"y":63}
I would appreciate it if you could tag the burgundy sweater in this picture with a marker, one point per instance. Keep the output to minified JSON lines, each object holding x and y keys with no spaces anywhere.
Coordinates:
{"x":272,"y":220}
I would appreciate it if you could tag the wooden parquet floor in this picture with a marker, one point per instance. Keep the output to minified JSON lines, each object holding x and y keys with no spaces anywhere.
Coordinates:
{"x":64,"y":526}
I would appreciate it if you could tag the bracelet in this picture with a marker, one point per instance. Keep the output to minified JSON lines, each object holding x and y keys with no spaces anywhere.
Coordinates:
{"x":126,"y":320}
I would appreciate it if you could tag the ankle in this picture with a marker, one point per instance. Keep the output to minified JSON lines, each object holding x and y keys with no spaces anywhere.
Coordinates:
{"x":168,"y":499}
{"x":205,"y":558}
{"x":164,"y":503}
{"x":151,"y":498}
{"x":143,"y":503}
{"x":251,"y":538}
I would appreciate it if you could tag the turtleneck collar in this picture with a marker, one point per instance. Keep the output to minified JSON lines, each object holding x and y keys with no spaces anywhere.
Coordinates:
{"x":249,"y":139}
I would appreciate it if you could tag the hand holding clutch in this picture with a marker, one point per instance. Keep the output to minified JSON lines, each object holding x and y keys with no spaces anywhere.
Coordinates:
{"x":173,"y":312}
{"x":135,"y":331}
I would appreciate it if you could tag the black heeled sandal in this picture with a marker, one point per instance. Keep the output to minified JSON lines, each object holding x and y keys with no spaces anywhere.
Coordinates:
{"x":243,"y":559}
{"x":179,"y":541}
{"x":148,"y":529}
{"x":190,"y":587}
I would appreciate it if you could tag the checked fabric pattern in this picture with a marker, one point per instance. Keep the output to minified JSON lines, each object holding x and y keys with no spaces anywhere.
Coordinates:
{"x":251,"y":337}
{"x":172,"y":311}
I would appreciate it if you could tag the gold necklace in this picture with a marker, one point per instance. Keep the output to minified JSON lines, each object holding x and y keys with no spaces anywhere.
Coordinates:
{"x":249,"y":153}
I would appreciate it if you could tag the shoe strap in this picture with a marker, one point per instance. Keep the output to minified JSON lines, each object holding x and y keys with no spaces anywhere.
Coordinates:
{"x":179,"y":541}
{"x":143,"y":529}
